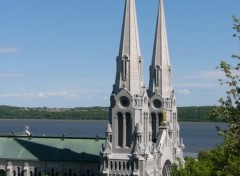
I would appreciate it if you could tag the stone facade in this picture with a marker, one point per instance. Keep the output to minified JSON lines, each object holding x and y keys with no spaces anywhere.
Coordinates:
{"x":39,"y":168}
{"x":143,"y":132}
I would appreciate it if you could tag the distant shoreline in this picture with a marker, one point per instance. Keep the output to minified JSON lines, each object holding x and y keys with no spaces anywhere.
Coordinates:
{"x":185,"y":114}
{"x":183,"y":122}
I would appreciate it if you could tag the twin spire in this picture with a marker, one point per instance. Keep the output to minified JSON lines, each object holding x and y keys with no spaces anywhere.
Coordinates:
{"x":129,"y":61}
{"x":160,"y":69}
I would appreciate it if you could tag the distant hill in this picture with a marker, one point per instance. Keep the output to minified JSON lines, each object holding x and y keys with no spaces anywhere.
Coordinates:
{"x":194,"y":113}
{"x":197,"y":114}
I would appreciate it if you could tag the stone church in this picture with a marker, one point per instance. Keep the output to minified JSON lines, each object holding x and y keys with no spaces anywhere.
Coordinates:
{"x":142,"y":136}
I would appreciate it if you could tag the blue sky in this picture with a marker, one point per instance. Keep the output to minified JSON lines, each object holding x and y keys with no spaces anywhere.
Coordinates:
{"x":60,"y":53}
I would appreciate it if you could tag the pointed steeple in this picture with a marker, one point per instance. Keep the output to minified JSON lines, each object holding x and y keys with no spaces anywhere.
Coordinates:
{"x":160,"y":69}
{"x":129,"y":61}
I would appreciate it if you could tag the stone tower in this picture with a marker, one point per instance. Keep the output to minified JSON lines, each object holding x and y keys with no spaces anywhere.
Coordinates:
{"x":162,"y":101}
{"x":142,"y":134}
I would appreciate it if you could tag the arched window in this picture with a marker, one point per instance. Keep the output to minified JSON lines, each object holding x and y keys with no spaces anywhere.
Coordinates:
{"x":18,"y":172}
{"x":128,"y":129}
{"x":120,"y":129}
{"x":154,"y":126}
{"x":35,"y":171}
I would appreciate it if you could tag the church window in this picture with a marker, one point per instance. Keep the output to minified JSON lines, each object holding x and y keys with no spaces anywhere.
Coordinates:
{"x":125,"y":65}
{"x":14,"y":173}
{"x":110,"y":138}
{"x":31,"y":173}
{"x":128,"y":165}
{"x":106,"y":163}
{"x":70,"y":172}
{"x":157,"y":75}
{"x":111,"y":165}
{"x":19,"y":174}
{"x":120,"y":129}
{"x":154,"y":126}
{"x":157,"y":103}
{"x":128,"y":130}
{"x":124,"y":101}
{"x":52,"y":172}
{"x":35,"y":171}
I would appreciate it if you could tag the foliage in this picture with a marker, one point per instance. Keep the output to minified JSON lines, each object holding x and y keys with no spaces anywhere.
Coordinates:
{"x":223,"y":160}
{"x":197,"y":114}
{"x":192,"y":114}
{"x":209,"y":163}
{"x":93,"y":113}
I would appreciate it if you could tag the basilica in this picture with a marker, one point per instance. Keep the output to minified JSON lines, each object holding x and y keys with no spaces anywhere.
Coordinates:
{"x":142,"y":135}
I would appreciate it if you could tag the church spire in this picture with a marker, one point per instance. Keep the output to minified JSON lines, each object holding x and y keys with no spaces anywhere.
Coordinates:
{"x":129,"y":61}
{"x":160,"y":70}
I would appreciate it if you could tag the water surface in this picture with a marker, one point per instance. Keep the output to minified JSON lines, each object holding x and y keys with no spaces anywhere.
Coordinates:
{"x":197,"y":136}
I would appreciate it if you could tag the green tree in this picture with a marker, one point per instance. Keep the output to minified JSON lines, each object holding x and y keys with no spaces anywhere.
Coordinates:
{"x":224,"y":160}
{"x":230,"y":109}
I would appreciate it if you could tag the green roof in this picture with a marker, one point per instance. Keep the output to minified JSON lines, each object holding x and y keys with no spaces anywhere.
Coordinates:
{"x":50,"y":148}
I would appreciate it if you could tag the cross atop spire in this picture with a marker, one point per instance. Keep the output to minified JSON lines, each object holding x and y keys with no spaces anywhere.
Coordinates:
{"x":129,"y":61}
{"x":160,"y":69}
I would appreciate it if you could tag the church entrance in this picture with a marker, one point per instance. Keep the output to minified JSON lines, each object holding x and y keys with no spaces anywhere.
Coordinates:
{"x":166,"y":168}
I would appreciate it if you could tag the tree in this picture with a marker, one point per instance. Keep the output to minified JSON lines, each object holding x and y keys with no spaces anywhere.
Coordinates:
{"x":230,"y":109}
{"x":224,"y":160}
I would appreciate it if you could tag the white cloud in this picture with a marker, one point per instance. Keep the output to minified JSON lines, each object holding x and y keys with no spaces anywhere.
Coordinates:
{"x":7,"y":50}
{"x":206,"y":79}
{"x":184,"y":91}
{"x":10,"y":75}
{"x":197,"y":85}
{"x":211,"y":74}
{"x":80,"y":95}
{"x":204,"y":75}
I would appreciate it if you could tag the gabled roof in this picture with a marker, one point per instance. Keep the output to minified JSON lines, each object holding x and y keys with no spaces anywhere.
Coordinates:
{"x":50,"y":149}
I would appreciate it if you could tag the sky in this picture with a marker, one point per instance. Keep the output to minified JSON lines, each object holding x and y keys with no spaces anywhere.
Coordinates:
{"x":59,"y":53}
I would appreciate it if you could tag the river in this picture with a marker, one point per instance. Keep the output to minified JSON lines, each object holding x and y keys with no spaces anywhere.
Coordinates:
{"x":197,"y":136}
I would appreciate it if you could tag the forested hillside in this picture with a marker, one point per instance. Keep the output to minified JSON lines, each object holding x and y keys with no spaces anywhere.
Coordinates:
{"x":194,"y":113}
